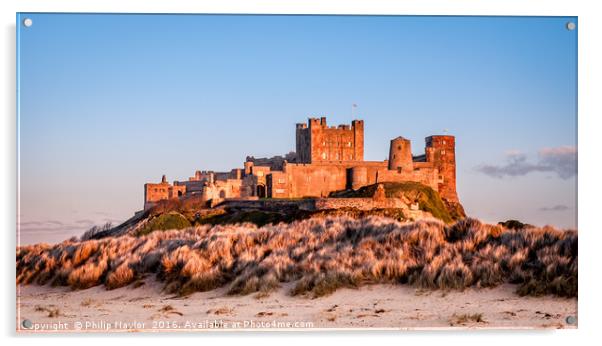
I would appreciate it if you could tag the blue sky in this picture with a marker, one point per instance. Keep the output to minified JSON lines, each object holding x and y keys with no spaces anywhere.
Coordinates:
{"x":109,"y":102}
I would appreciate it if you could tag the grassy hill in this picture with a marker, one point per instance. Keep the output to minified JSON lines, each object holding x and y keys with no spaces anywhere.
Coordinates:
{"x":412,"y":192}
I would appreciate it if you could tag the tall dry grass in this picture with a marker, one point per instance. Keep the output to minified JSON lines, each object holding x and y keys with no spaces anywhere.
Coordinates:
{"x":319,"y":255}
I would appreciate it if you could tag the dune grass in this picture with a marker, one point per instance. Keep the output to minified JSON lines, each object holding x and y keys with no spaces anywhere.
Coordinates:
{"x":318,"y":255}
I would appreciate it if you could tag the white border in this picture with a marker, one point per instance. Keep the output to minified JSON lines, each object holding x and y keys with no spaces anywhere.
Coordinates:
{"x":590,"y":113}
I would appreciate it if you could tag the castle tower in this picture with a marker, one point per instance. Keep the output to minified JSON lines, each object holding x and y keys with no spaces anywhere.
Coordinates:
{"x":358,"y":139}
{"x":248,"y":167}
{"x":317,"y":142}
{"x":441,"y":151}
{"x":400,"y":155}
{"x":303,"y":144}
{"x":155,"y":192}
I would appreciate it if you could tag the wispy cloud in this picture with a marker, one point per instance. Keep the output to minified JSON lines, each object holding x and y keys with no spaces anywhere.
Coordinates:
{"x":560,"y":160}
{"x":559,"y":207}
{"x":85,"y":222}
{"x":46,"y":227}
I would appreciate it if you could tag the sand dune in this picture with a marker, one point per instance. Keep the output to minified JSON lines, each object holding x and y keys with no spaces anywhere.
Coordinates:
{"x":149,"y":308}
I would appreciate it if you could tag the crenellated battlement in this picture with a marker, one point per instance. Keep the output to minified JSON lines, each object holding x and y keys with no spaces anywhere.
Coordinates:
{"x":318,"y":142}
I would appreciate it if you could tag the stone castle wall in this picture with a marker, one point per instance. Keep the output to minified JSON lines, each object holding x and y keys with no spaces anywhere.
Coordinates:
{"x":320,"y":179}
{"x":314,"y":204}
{"x":358,"y":203}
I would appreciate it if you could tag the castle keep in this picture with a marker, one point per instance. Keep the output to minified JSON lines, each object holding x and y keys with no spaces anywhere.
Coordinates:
{"x":327,"y":159}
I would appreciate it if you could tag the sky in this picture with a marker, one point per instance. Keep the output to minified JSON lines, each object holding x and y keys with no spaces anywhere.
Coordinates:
{"x":108,"y":102}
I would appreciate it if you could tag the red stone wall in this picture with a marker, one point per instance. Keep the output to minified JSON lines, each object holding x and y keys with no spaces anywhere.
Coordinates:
{"x":315,"y":180}
{"x":277,"y":185}
{"x":177,"y":191}
{"x":358,"y":203}
{"x":193,"y":186}
{"x":319,"y":179}
{"x":426,"y":176}
{"x":313,"y":204}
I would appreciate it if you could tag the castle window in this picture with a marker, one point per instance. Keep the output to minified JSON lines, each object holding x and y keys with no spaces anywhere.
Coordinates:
{"x":349,"y":144}
{"x":443,"y":142}
{"x":442,"y":152}
{"x":399,"y":147}
{"x":281,"y":181}
{"x":323,"y":156}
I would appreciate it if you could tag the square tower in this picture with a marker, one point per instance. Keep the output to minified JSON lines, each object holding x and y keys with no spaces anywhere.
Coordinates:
{"x":441,"y":151}
{"x":316,"y":142}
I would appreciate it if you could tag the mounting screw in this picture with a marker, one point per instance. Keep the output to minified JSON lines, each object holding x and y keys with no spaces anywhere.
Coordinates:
{"x":571,"y":320}
{"x":27,"y":22}
{"x":26,"y":324}
{"x":570,"y":26}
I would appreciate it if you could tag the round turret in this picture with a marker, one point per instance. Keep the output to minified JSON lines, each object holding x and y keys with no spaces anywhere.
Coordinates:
{"x":400,"y":155}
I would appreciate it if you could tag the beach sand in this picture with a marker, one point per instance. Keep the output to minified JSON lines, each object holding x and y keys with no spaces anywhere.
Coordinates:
{"x":148,"y":308}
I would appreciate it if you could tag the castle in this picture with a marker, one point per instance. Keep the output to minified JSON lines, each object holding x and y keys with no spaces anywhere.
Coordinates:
{"x":327,"y":159}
